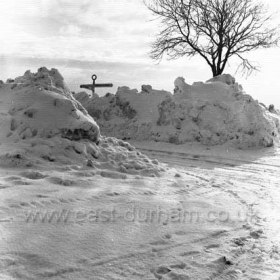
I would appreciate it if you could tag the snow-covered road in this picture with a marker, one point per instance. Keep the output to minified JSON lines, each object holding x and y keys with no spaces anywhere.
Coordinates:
{"x":213,"y":215}
{"x":250,"y":178}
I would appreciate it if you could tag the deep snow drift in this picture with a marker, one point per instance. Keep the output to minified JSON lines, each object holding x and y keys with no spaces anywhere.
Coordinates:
{"x":42,"y":121}
{"x":214,"y":112}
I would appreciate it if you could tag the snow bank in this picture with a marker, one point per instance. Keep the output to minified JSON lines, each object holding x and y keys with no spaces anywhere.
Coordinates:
{"x":43,"y":105}
{"x":42,"y":121}
{"x":214,"y":112}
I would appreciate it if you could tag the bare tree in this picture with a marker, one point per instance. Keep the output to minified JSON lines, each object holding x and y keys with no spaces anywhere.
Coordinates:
{"x":214,"y":29}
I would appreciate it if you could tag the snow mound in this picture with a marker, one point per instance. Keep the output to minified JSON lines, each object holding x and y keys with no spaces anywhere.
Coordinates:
{"x":110,"y":157}
{"x":42,"y":122}
{"x":43,"y":105}
{"x":215,"y":112}
{"x":128,"y":114}
{"x":225,"y":78}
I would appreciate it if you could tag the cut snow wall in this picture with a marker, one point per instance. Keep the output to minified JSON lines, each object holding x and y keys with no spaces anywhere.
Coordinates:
{"x":214,"y":112}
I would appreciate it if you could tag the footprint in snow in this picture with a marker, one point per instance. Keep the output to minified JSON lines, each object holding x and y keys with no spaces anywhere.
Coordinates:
{"x":160,"y":271}
{"x":113,"y":194}
{"x":167,"y":273}
{"x":240,"y":241}
{"x":172,"y":275}
{"x":180,"y":232}
{"x":16,"y":180}
{"x":33,"y":175}
{"x":41,"y":196}
{"x":159,"y":242}
{"x":196,"y":156}
{"x":61,"y":181}
{"x":189,"y":253}
{"x":178,"y":266}
{"x":24,"y":204}
{"x":256,"y":234}
{"x":21,"y":183}
{"x":212,"y":246}
{"x":223,"y":260}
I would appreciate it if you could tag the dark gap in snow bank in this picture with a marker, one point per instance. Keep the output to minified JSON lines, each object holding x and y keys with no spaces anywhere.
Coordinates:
{"x":78,"y":134}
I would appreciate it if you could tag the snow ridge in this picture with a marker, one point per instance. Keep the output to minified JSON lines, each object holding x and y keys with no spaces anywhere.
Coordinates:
{"x":212,"y":113}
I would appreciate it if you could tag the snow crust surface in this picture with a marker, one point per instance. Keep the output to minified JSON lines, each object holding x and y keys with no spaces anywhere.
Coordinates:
{"x":214,"y":112}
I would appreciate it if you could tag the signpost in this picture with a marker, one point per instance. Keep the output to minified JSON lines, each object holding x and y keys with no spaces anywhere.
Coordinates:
{"x":94,"y":85}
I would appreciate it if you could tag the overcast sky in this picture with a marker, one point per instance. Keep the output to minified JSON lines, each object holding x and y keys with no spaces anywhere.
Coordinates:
{"x":112,"y":39}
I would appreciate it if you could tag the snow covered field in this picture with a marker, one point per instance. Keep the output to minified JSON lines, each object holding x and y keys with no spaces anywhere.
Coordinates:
{"x":78,"y":205}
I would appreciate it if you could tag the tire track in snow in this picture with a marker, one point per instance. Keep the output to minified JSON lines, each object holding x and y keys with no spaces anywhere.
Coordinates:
{"x":231,"y":188}
{"x":252,"y":180}
{"x":208,"y":158}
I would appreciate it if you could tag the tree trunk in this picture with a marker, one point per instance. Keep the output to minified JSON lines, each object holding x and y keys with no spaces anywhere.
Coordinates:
{"x":219,"y":72}
{"x":214,"y":71}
